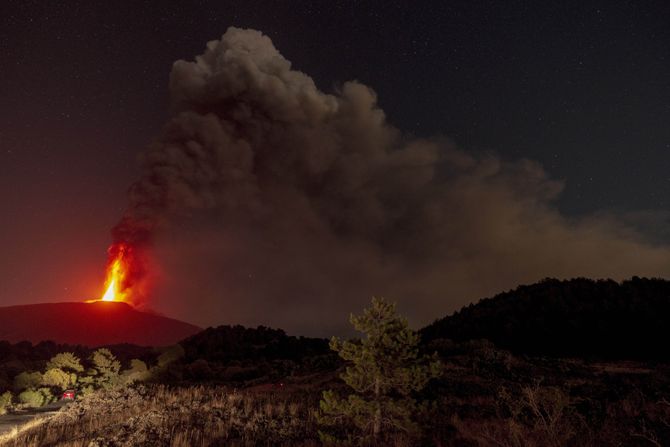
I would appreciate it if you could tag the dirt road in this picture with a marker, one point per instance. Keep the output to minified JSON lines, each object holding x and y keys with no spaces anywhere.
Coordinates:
{"x":16,"y":420}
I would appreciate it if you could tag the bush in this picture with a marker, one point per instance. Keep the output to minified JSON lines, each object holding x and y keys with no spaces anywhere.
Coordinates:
{"x":36,"y":398}
{"x":65,"y":361}
{"x":32,"y":398}
{"x":47,"y":395}
{"x":538,"y":416}
{"x":27,"y":380}
{"x":176,"y":416}
{"x":137,"y":372}
{"x":5,"y":401}
{"x":170,"y":355}
{"x":58,"y":378}
{"x":199,"y":370}
{"x":106,"y":368}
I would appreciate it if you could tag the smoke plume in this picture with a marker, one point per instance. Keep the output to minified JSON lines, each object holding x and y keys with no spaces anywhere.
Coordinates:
{"x":267,"y":201}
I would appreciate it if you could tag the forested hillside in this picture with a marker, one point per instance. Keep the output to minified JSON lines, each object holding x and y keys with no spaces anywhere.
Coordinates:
{"x":577,"y":317}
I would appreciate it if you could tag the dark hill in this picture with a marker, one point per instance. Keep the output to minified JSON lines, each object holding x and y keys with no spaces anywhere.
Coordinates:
{"x":245,"y":356}
{"x":578,"y":317}
{"x":90,"y":324}
{"x":225,"y":344}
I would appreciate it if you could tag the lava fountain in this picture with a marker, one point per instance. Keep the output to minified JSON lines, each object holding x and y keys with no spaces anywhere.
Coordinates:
{"x":115,"y":274}
{"x":118,"y":284}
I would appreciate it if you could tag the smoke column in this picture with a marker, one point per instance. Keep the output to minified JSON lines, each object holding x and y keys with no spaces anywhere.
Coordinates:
{"x":267,"y":201}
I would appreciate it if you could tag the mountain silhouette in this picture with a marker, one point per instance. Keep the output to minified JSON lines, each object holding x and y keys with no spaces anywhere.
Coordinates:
{"x":578,"y":317}
{"x":90,"y":324}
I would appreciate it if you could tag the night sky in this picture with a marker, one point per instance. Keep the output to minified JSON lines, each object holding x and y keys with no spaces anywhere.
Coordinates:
{"x":582,"y":88}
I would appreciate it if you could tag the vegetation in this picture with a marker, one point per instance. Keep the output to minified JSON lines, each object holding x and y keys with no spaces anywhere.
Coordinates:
{"x":57,"y":378}
{"x":578,"y":317}
{"x":27,"y":380}
{"x":36,"y":398}
{"x":5,"y":402}
{"x":239,"y":356}
{"x":227,"y":344}
{"x":65,"y":361}
{"x":484,"y":398}
{"x":241,"y":386}
{"x":105,"y":368}
{"x":385,"y":372}
{"x":65,"y":370}
{"x":24,"y":357}
{"x":137,"y":372}
{"x":177,"y":417}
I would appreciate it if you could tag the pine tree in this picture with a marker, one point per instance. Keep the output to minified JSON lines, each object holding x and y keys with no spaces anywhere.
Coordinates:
{"x":385,"y":371}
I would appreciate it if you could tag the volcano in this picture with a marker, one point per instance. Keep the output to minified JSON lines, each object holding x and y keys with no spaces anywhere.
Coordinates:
{"x":90,"y":324}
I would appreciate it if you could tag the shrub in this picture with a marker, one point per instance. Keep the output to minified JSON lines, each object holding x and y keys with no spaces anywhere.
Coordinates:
{"x":106,"y":368}
{"x":32,"y":398}
{"x":171,"y":354}
{"x":65,"y":361}
{"x":46,"y":395}
{"x":168,"y":369}
{"x":157,"y":415}
{"x":137,"y":372}
{"x":27,"y":380}
{"x":58,"y":378}
{"x":539,"y":416}
{"x":5,"y":401}
{"x":199,"y":370}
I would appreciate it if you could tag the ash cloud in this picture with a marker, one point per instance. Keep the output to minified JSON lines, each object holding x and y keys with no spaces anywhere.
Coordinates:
{"x":270,"y":202}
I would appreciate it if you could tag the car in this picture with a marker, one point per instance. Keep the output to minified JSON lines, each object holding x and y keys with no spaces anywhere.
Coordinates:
{"x":69,"y":394}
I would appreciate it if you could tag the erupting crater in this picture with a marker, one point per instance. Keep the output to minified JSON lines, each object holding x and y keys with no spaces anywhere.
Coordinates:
{"x":111,"y":319}
{"x":123,"y":269}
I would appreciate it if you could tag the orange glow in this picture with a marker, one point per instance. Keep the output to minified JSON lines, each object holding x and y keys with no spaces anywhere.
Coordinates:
{"x":116,"y":276}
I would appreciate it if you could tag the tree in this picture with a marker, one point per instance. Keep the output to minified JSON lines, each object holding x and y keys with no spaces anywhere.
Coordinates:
{"x":65,"y":361}
{"x":170,"y":355}
{"x":106,"y":368}
{"x":62,"y":371}
{"x":27,"y":380}
{"x":385,"y":371}
{"x":138,"y":371}
{"x":36,"y":398}
{"x":58,"y":378}
{"x":86,"y":384}
{"x":32,"y":398}
{"x":165,"y":369}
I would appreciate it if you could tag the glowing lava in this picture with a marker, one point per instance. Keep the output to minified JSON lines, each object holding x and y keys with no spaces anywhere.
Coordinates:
{"x":117,"y":271}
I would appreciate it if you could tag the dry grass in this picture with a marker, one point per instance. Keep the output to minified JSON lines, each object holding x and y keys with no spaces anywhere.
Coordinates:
{"x":175,"y":417}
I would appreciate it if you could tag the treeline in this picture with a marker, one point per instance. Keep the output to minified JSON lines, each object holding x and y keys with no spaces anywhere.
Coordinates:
{"x":233,"y":355}
{"x":577,"y":317}
{"x":243,"y":356}
{"x":24,"y":356}
{"x":29,"y":381}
